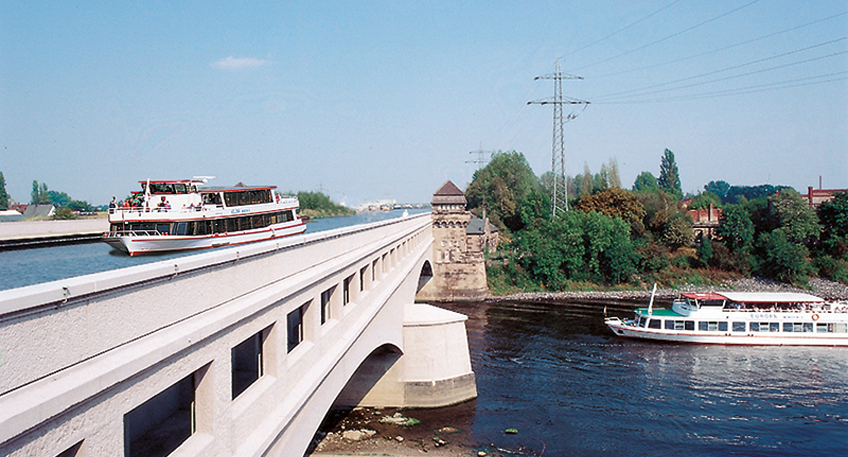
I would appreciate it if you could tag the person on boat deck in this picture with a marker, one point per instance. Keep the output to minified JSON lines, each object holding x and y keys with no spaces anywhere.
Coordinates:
{"x":164,"y":205}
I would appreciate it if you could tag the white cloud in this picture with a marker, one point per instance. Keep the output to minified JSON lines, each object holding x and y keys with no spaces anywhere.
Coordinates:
{"x":233,"y":63}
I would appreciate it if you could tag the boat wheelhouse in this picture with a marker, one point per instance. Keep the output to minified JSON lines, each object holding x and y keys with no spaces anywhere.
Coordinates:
{"x":187,"y":214}
{"x":746,"y":318}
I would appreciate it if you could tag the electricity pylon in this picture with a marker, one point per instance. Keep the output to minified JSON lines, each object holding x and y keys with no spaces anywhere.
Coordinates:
{"x":481,"y":157}
{"x":559,"y":189}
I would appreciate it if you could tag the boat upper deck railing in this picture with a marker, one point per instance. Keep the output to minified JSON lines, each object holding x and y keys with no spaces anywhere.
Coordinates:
{"x":132,"y":233}
{"x":835,"y":307}
{"x":288,"y":202}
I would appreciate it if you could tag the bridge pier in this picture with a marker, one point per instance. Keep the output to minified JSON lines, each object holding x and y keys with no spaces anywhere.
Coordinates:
{"x":434,"y":369}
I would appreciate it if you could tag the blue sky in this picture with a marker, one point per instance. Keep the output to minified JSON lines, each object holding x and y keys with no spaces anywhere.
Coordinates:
{"x":375,"y":100}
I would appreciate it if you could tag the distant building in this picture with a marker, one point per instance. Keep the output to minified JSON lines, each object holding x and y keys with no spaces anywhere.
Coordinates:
{"x":705,"y":222}
{"x":816,"y":197}
{"x":459,"y":240}
{"x":10,"y":215}
{"x":39,"y":210}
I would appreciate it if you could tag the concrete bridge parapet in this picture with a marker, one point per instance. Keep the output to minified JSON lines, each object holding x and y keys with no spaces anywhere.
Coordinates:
{"x":233,"y":352}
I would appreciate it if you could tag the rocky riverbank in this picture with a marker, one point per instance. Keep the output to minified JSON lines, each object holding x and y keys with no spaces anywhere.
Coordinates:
{"x":829,"y":290}
{"x":396,"y":432}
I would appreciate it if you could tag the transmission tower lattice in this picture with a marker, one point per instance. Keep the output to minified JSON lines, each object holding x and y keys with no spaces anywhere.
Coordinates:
{"x":481,"y":157}
{"x":559,"y":189}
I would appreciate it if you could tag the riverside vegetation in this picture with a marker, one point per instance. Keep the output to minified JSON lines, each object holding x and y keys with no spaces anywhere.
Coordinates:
{"x":616,"y":239}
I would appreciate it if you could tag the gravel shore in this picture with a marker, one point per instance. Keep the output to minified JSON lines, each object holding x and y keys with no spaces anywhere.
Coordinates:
{"x":829,"y":290}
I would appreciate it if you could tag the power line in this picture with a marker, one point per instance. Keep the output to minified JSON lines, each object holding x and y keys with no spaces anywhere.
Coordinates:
{"x":833,"y":77}
{"x":623,"y":29}
{"x":736,"y":45}
{"x":559,"y":190}
{"x":639,"y":92}
{"x":669,"y":36}
{"x":636,"y":92}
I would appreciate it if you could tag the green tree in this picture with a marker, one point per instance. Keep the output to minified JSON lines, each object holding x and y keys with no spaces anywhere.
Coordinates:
{"x":781,"y":258}
{"x":318,"y":204}
{"x":645,"y":181}
{"x":4,"y":197}
{"x":80,"y":205}
{"x":659,"y":210}
{"x":718,"y":188}
{"x":505,"y":184}
{"x":40,"y":193}
{"x":704,"y":200}
{"x":678,"y":232}
{"x":735,"y":228}
{"x":793,"y":216}
{"x":833,"y":214}
{"x":63,"y":213}
{"x":58,"y":199}
{"x":669,"y":179}
{"x":705,"y":251}
{"x":577,"y":247}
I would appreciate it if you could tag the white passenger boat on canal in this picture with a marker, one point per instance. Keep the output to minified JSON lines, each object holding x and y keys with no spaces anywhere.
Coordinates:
{"x":187,"y":214}
{"x":744,"y":318}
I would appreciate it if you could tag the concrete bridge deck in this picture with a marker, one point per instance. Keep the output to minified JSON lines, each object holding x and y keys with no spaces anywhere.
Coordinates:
{"x":233,"y":352}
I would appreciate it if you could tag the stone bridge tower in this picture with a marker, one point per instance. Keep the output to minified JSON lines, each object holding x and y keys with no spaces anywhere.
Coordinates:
{"x":459,"y":269}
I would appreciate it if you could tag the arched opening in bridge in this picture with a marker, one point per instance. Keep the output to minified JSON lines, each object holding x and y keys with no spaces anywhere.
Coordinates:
{"x":363,"y":389}
{"x":425,"y":276}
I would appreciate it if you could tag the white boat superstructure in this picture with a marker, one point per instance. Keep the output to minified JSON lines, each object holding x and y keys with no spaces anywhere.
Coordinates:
{"x":747,"y":318}
{"x":187,"y":214}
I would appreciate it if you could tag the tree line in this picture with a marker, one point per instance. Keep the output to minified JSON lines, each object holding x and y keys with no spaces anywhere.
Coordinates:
{"x":616,"y":237}
{"x":41,"y":194}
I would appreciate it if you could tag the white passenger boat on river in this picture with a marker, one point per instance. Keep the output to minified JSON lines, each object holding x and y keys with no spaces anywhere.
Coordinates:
{"x":745,"y":318}
{"x":187,"y":214}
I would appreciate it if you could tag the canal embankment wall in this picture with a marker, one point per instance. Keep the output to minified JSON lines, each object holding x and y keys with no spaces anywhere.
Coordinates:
{"x":25,"y":234}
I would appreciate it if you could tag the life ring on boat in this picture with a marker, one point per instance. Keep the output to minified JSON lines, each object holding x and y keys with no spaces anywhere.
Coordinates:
{"x":815,"y":317}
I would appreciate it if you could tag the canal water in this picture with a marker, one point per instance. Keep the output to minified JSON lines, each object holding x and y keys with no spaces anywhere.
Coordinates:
{"x":557,"y":375}
{"x":23,"y":267}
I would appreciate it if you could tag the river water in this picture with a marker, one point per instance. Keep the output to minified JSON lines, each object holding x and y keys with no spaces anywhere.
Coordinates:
{"x":23,"y":267}
{"x":569,"y":386}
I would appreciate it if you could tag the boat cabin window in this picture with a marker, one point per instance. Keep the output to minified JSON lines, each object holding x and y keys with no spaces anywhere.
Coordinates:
{"x":166,"y":188}
{"x":211,"y":198}
{"x":247,"y":197}
{"x":655,"y":323}
{"x":822,"y":327}
{"x":712,"y":326}
{"x":798,"y":327}
{"x":738,"y":326}
{"x":765,"y":326}
{"x":679,"y":325}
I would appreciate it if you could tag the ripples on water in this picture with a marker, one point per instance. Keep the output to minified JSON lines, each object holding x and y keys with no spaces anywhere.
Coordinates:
{"x":555,"y":372}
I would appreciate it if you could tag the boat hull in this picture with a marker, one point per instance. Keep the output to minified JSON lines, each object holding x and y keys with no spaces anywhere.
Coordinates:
{"x":628,"y":330}
{"x":149,"y":244}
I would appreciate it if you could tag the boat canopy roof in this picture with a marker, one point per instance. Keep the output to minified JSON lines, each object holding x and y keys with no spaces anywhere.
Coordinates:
{"x":168,"y":186}
{"x":756,"y":297}
{"x":232,"y":188}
